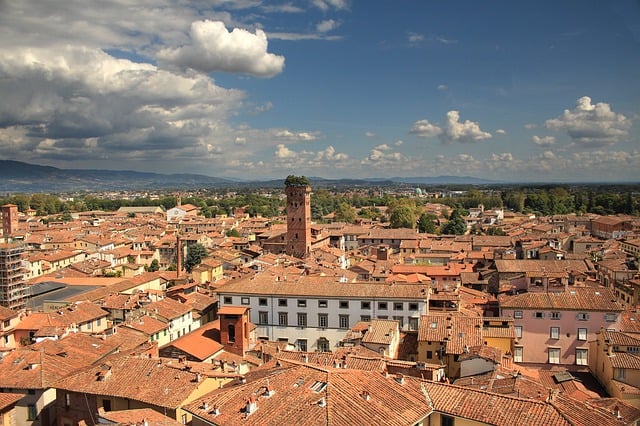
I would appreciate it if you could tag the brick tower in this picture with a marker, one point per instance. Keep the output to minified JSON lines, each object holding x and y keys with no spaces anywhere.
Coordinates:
{"x":234,"y":329}
{"x":9,"y":220}
{"x":298,"y":193}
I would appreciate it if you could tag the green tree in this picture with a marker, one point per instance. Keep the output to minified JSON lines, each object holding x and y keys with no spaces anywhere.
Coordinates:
{"x":456,"y":225}
{"x":427,"y":223}
{"x":154,"y":266}
{"x":494,"y":230}
{"x":233,"y":232}
{"x":195,"y":253}
{"x":402,"y":217}
{"x":345,"y":213}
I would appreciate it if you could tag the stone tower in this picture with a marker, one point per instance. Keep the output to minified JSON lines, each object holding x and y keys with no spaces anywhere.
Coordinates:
{"x":298,"y":193}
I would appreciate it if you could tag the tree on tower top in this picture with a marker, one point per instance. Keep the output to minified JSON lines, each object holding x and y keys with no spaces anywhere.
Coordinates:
{"x":292,"y":180}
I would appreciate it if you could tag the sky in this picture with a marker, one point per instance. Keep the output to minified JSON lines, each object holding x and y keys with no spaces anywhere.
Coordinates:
{"x":525,"y":91}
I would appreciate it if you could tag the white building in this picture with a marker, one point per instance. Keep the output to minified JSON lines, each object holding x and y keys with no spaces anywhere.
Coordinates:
{"x":314,"y":313}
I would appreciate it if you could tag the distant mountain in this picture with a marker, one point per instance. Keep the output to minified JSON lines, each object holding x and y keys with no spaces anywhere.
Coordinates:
{"x":16,"y":176}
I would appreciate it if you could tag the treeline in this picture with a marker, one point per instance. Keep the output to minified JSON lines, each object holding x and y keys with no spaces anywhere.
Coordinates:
{"x":348,"y":207}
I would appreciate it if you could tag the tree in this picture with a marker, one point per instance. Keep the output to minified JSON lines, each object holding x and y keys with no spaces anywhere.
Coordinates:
{"x":154,"y":266}
{"x":427,"y":223}
{"x":195,"y":253}
{"x":456,"y":225}
{"x":402,"y":217}
{"x":345,"y":213}
{"x":494,"y":230}
{"x":233,"y":232}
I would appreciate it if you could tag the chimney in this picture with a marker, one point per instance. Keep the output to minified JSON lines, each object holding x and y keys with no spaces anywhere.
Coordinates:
{"x":400,"y":379}
{"x":365,"y":395}
{"x":305,"y":358}
{"x":251,"y":406}
{"x":616,"y":412}
{"x":216,"y":410}
{"x":322,"y":402}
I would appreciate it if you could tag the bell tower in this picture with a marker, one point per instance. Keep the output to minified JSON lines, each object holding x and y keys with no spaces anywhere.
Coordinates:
{"x":298,"y":192}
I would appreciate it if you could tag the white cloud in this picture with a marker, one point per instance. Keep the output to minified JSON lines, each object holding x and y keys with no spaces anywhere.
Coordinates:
{"x":543,"y":140}
{"x":530,"y":126}
{"x":415,"y":38}
{"x":383,"y":147}
{"x":398,"y":143}
{"x":592,"y":125}
{"x":327,"y":25}
{"x":442,"y":87}
{"x":455,"y":131}
{"x":425,"y":129}
{"x":213,"y":48}
{"x":325,"y":5}
{"x":282,"y":152}
{"x":296,"y":136}
{"x":501,"y":131}
{"x":369,"y":134}
{"x":240,"y":140}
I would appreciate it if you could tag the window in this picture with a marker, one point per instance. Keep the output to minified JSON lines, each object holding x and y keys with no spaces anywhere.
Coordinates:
{"x":538,"y":314}
{"x":302,"y":344}
{"x":322,"y":303}
{"x":262,"y":301}
{"x":517,"y":314}
{"x":554,"y":332}
{"x":365,"y":305}
{"x":98,"y":322}
{"x":344,"y":304}
{"x":429,"y":354}
{"x":518,"y":352}
{"x":228,"y":300}
{"x":184,"y":419}
{"x":231,"y":333}
{"x":619,"y":373}
{"x":610,"y":317}
{"x":106,"y":404}
{"x":518,"y":329}
{"x":365,"y":318}
{"x":581,"y":356}
{"x":302,"y":303}
{"x":582,"y":334}
{"x":344,"y":321}
{"x":322,"y":344}
{"x":554,"y":355}
{"x":244,"y":300}
{"x":302,"y":319}
{"x":582,"y":316}
{"x":283,"y":318}
{"x":555,"y":315}
{"x":263,"y":317}
{"x":323,"y":320}
{"x":400,"y":321}
{"x":382,"y":306}
{"x":282,"y":302}
{"x":398,"y":306}
{"x":446,"y":420}
{"x":413,"y":323}
{"x":6,"y":323}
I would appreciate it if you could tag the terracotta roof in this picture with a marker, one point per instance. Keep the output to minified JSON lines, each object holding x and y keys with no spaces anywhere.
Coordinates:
{"x":140,"y":379}
{"x":306,"y":395}
{"x":578,"y":299}
{"x":381,"y":331}
{"x":201,"y":343}
{"x":9,"y":399}
{"x":140,"y":416}
{"x":232,"y":310}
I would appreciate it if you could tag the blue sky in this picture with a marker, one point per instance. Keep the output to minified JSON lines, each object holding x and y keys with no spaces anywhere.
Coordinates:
{"x":511,"y":91}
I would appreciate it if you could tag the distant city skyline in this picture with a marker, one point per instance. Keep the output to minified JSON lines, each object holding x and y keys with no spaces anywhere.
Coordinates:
{"x":249,"y":89}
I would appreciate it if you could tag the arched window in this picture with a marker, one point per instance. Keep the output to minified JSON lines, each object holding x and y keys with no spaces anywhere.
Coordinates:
{"x":232,"y":333}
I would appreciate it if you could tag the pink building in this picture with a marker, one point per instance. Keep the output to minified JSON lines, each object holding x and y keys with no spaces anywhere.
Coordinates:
{"x":555,"y":327}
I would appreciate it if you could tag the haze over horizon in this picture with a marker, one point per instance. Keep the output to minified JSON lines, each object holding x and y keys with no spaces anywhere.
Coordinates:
{"x":250,"y":89}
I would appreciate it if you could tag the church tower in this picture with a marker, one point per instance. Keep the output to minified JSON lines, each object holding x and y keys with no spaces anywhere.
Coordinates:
{"x":298,"y":193}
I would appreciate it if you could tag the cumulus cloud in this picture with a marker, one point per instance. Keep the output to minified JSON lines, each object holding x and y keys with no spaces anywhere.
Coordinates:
{"x":592,"y":125}
{"x":282,"y":152}
{"x":425,"y":129}
{"x":456,"y":131}
{"x":213,"y":48}
{"x":369,"y":134}
{"x":543,"y":140}
{"x":501,"y":131}
{"x":327,"y":25}
{"x":296,"y":136}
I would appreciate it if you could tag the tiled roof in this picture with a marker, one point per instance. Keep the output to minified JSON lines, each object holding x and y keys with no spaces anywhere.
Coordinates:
{"x":9,"y":399}
{"x":140,"y":379}
{"x":168,"y":308}
{"x":311,"y":286}
{"x":381,"y":331}
{"x":578,"y":299}
{"x":297,"y":393}
{"x":6,"y":313}
{"x":455,"y":331}
{"x":200,"y":343}
{"x":625,"y":360}
{"x":140,"y":416}
{"x":541,"y":266}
